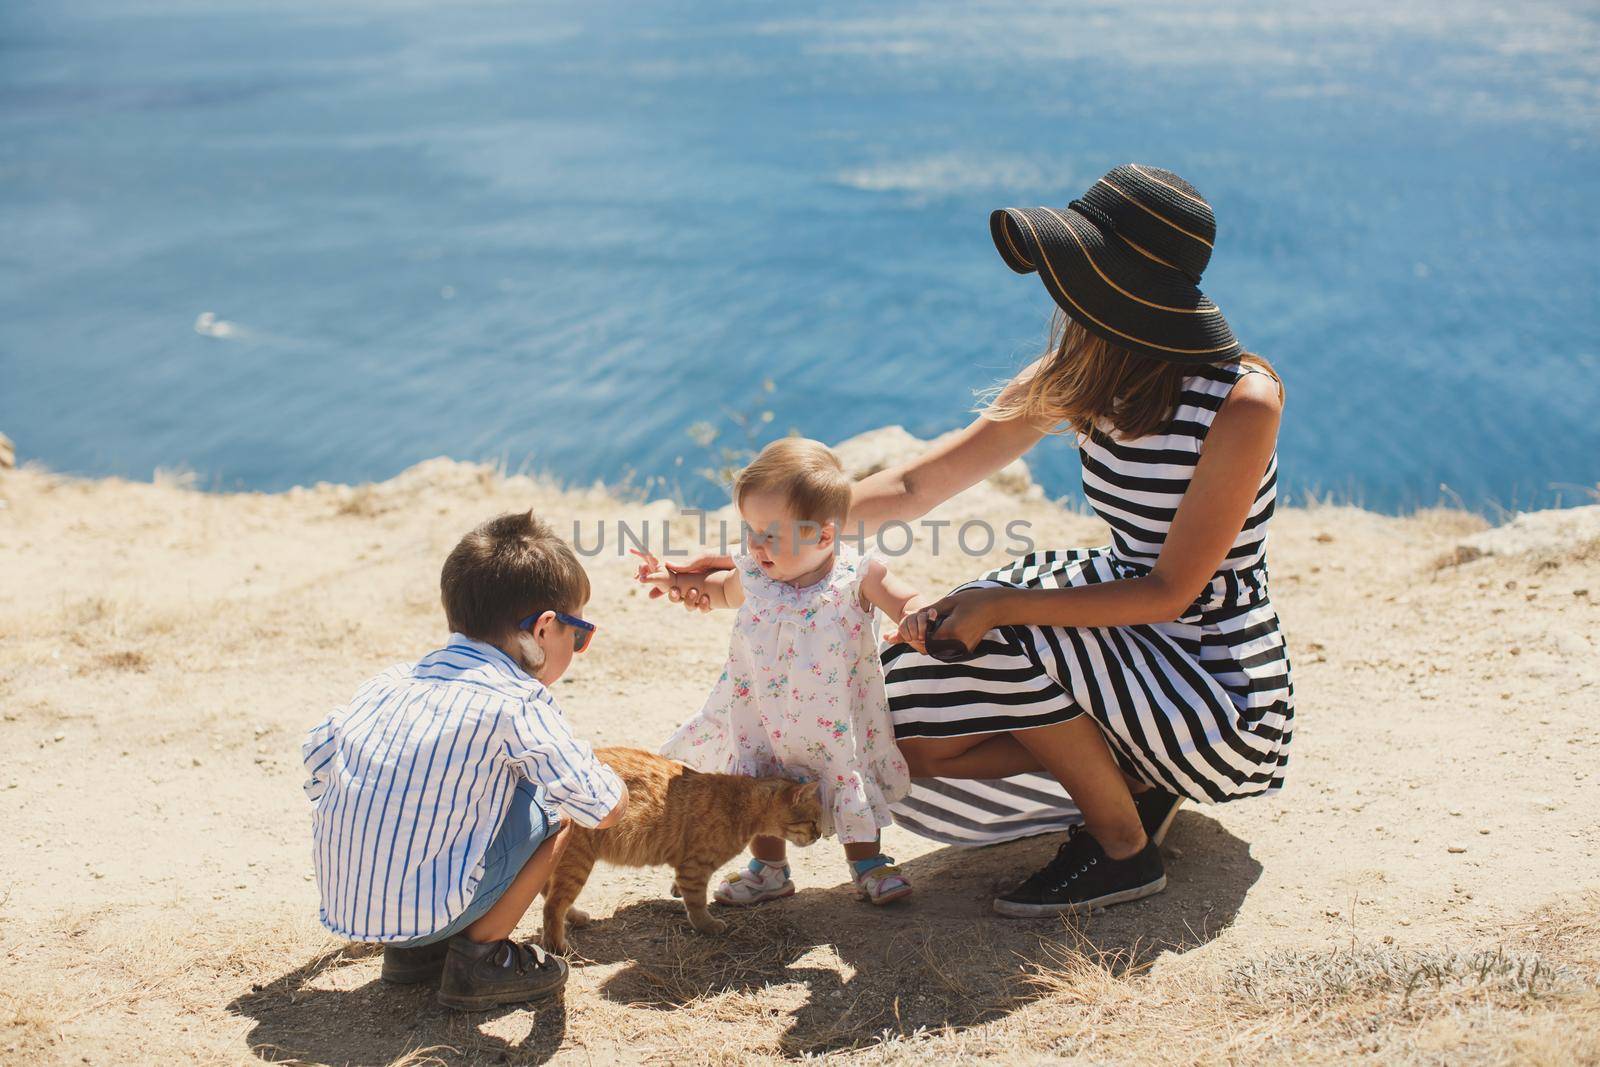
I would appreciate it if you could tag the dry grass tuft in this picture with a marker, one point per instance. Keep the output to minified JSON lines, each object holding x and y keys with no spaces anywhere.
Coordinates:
{"x":692,"y":967}
{"x":1418,"y":979}
{"x":362,"y":501}
{"x":127,"y":659}
{"x":180,"y":478}
{"x":1456,"y":557}
{"x":1363,"y":1003}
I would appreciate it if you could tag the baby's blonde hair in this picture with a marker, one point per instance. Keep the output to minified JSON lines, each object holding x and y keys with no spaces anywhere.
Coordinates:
{"x":805,"y":473}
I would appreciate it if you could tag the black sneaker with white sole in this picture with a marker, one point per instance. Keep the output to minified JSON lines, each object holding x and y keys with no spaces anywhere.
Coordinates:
{"x":1082,"y":877}
{"x":1157,"y":808}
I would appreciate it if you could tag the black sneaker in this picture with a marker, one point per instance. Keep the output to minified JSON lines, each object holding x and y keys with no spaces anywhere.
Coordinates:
{"x":408,"y":966}
{"x":482,"y":976}
{"x":1157,"y":808}
{"x":1082,"y":877}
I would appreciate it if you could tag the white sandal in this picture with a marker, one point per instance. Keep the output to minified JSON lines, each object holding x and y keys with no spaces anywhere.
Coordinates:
{"x":882,"y":884}
{"x":758,"y":882}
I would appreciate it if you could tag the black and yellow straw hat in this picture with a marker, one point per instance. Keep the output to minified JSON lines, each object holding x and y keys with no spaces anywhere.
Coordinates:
{"x":1124,"y":261}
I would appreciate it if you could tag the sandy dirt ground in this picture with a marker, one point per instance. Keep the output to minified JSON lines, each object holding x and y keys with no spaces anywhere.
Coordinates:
{"x":1426,"y":889}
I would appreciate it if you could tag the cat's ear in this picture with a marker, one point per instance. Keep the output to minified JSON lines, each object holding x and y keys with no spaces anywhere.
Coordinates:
{"x":801,"y":794}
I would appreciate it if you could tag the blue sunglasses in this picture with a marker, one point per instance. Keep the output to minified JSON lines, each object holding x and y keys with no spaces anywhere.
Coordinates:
{"x":582,"y":629}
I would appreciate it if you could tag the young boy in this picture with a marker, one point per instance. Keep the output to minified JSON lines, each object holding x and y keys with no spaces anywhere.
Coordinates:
{"x":440,"y":793}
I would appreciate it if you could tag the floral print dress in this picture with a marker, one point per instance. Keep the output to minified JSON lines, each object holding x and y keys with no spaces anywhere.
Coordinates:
{"x":802,"y":697}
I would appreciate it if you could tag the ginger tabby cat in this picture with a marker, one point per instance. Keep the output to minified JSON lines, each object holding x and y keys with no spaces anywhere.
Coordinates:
{"x":683,"y":819}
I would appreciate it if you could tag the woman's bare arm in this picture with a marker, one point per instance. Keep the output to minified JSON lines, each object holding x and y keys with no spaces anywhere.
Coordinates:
{"x":912,"y":489}
{"x":908,"y":491}
{"x":1213,"y":511}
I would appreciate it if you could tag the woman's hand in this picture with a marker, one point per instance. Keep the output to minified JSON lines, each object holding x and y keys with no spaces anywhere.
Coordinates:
{"x":914,"y":627}
{"x":964,"y":616}
{"x":676,"y":582}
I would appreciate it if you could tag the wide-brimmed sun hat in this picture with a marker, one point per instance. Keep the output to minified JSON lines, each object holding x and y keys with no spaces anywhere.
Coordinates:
{"x":1124,"y":261}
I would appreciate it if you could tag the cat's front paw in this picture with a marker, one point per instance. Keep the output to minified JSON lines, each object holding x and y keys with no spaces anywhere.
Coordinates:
{"x":577,"y":917}
{"x":709,"y":924}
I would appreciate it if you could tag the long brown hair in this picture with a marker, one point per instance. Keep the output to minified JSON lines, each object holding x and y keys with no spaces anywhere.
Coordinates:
{"x":1082,"y":381}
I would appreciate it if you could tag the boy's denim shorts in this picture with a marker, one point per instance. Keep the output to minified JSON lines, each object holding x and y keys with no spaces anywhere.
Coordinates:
{"x":527,"y":825}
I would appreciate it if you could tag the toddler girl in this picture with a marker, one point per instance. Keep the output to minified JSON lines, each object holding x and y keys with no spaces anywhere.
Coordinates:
{"x":802,"y":695}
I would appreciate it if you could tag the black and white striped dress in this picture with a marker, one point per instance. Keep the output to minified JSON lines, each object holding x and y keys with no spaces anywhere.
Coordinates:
{"x":1202,"y":706}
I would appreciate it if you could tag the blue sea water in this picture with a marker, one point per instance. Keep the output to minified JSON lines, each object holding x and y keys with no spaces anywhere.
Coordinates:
{"x":563,"y":234}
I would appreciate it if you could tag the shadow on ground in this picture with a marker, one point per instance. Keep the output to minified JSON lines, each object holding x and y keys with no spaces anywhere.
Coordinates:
{"x":942,"y":961}
{"x":310,"y":1015}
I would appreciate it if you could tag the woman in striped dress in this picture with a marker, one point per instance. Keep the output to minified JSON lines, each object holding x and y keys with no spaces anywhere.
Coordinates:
{"x":1111,"y":681}
{"x":1097,"y":688}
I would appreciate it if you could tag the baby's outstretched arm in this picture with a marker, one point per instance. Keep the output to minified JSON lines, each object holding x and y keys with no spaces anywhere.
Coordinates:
{"x":721,"y":589}
{"x":882,"y":589}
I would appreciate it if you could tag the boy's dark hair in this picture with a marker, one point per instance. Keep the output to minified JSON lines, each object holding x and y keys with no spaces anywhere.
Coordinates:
{"x":505,"y":570}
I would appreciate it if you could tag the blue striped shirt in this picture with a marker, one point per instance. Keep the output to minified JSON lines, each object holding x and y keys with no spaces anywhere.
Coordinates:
{"x":410,"y":780}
